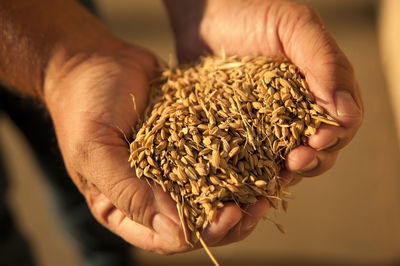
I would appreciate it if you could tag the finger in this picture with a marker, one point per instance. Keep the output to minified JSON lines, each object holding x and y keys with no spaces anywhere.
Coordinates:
{"x":253,"y":213}
{"x":302,"y":158}
{"x":226,"y":219}
{"x":244,"y":226}
{"x":329,"y":138}
{"x":306,"y":161}
{"x":137,"y":234}
{"x":325,"y":162}
{"x":251,"y":217}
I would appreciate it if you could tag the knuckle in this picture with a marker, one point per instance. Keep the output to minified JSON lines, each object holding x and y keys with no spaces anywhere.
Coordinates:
{"x":134,"y":201}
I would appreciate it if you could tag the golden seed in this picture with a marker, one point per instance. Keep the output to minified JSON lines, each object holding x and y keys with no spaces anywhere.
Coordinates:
{"x":234,"y":151}
{"x":261,"y":183}
{"x":151,"y":161}
{"x":215,"y":159}
{"x":281,"y":228}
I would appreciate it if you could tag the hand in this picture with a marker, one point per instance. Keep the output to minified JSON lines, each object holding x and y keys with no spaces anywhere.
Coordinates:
{"x":290,"y":30}
{"x":88,"y":97}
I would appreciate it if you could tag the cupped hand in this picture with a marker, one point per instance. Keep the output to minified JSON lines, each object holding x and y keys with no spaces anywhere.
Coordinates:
{"x":89,"y":99}
{"x":284,"y":29}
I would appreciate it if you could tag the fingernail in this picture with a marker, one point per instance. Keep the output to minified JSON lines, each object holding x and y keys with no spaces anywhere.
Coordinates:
{"x":313,"y":164}
{"x":163,"y":224}
{"x":330,"y":144}
{"x":345,"y":104}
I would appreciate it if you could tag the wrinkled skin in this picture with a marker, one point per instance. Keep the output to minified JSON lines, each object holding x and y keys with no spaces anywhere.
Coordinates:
{"x":88,"y":97}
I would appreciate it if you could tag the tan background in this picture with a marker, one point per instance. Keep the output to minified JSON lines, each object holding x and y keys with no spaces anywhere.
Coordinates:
{"x":348,"y":216}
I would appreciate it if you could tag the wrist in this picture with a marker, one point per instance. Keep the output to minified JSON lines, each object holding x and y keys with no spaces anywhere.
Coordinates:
{"x":69,"y":65}
{"x":67,"y":55}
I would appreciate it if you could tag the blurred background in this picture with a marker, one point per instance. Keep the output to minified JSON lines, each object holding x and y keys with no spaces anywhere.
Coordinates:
{"x":348,"y":216}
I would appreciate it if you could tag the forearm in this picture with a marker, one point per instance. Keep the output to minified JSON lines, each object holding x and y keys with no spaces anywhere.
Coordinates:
{"x":32,"y":33}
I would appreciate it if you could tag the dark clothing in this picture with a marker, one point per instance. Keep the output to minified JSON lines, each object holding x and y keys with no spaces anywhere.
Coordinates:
{"x":97,"y":246}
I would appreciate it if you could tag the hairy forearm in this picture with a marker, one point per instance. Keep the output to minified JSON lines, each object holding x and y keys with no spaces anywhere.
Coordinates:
{"x":33,"y":32}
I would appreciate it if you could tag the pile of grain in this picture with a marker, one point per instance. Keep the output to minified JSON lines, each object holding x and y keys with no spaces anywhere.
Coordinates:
{"x":219,"y":129}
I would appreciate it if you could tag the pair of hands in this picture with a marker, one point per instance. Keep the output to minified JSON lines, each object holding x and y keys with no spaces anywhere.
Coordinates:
{"x":88,"y":97}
